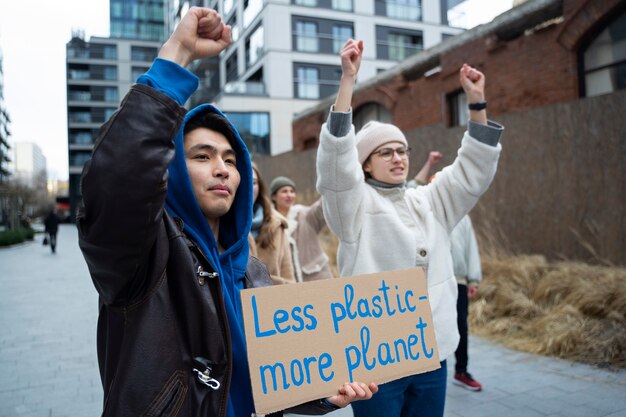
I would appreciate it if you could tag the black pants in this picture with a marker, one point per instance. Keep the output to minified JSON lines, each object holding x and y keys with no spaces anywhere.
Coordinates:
{"x":461,"y":321}
{"x":53,"y":241}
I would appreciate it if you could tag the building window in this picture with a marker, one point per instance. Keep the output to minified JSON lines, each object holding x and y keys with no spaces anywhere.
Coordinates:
{"x":342,"y":5}
{"x":397,"y":44}
{"x":306,"y":36}
{"x":254,"y":128}
{"x":79,"y":158}
{"x":110,"y":94}
{"x":320,"y":35}
{"x":81,"y":137}
{"x":136,"y":72}
{"x":142,"y":53}
{"x":604,"y":60}
{"x":228,"y":6}
{"x":399,"y":9}
{"x":79,"y":95}
{"x":458,"y":114}
{"x":109,"y":73}
{"x":254,"y":46}
{"x":80,"y":117}
{"x":368,"y":112}
{"x":109,"y":52}
{"x":251,"y":8}
{"x":232,"y":69}
{"x":307,"y":82}
{"x":314,"y":81}
{"x":232,"y":22}
{"x":341,"y":33}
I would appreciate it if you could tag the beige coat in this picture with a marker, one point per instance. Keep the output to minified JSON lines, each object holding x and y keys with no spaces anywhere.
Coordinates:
{"x":305,"y":225}
{"x":277,"y":258}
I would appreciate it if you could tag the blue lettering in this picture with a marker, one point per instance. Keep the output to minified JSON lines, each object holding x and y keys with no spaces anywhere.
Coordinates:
{"x":325,"y":361}
{"x":401,"y":342}
{"x":363,"y":307}
{"x":402,"y":310}
{"x":313,"y":320}
{"x":384,"y":354}
{"x":377,"y":310}
{"x":365,"y":345}
{"x":384,"y":288}
{"x":338,"y":313}
{"x":348,"y":293}
{"x":352,"y":363}
{"x":411,"y":308}
{"x":297,"y":381}
{"x":257,"y":330}
{"x":295,"y":313}
{"x":412,"y":339}
{"x":280,"y":317}
{"x":272,"y":370}
{"x":420,"y":326}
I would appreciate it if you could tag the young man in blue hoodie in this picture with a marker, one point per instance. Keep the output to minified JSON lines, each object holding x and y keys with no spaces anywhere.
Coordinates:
{"x":167,"y":208}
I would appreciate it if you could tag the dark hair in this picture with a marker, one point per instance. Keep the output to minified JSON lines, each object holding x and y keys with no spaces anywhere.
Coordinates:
{"x":265,"y":236}
{"x":214,"y":122}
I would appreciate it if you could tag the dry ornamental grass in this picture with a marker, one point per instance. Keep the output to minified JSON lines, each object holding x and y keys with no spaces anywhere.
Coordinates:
{"x":569,"y":310}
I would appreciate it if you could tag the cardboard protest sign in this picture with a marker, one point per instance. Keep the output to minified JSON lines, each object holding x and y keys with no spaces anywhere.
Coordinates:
{"x":305,"y":340}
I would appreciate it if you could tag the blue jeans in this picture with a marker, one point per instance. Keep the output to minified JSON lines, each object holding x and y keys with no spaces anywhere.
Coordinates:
{"x":422,"y":395}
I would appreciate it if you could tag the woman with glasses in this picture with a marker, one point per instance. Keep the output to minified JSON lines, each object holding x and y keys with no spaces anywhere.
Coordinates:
{"x":382,"y":225}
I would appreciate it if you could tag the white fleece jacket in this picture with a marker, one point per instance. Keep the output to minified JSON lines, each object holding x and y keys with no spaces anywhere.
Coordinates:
{"x":382,"y":229}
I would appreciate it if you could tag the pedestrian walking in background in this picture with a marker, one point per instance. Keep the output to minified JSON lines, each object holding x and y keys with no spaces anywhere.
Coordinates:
{"x":382,"y":225}
{"x":167,"y":204}
{"x":51,"y":224}
{"x":305,"y":223}
{"x":268,"y":234}
{"x":468,"y":273}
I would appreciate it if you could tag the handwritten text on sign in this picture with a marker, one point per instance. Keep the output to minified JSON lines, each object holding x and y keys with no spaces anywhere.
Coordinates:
{"x":305,"y":340}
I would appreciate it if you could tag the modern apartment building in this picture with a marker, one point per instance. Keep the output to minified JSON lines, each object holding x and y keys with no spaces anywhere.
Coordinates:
{"x":5,"y":159}
{"x":284,"y":57}
{"x":29,"y":165}
{"x":101,"y":70}
{"x":4,"y":132}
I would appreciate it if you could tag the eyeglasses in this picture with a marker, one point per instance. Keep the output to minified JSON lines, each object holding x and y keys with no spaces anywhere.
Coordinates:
{"x":386,"y":154}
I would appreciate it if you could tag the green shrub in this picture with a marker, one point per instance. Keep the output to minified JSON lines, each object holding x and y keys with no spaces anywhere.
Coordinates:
{"x":11,"y":237}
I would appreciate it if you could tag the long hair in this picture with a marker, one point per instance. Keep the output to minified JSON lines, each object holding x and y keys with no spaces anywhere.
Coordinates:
{"x":265,"y":237}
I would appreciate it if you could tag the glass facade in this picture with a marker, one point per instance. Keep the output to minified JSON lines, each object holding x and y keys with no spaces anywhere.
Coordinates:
{"x":254,"y":128}
{"x":138,"y":19}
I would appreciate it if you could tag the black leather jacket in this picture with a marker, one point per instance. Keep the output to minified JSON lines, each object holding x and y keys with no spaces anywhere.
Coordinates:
{"x":163,"y":338}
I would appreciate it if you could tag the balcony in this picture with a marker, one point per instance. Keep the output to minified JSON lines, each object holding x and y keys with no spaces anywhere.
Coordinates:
{"x":250,"y":88}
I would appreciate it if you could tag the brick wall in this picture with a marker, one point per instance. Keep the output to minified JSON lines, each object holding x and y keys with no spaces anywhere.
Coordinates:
{"x":561,"y":185}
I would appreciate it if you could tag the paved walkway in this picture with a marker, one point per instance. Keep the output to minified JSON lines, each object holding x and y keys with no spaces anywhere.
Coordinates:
{"x":48,"y":365}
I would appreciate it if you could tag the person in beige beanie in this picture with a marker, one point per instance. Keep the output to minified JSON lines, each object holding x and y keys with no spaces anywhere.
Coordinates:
{"x":305,"y":223}
{"x":382,"y":225}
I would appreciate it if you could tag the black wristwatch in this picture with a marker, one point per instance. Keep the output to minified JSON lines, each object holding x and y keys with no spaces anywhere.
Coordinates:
{"x":481,"y":105}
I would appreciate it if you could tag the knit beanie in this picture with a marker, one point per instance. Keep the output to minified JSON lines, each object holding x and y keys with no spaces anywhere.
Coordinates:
{"x":374,"y":134}
{"x":280,"y":182}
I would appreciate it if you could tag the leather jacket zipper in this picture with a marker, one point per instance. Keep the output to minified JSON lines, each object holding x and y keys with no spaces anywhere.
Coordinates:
{"x":229,"y":354}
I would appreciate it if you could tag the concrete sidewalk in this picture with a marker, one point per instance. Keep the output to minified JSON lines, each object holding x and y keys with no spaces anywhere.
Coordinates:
{"x":48,"y":363}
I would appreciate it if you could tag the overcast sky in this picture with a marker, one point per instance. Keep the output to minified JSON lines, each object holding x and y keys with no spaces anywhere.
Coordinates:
{"x":33,"y":35}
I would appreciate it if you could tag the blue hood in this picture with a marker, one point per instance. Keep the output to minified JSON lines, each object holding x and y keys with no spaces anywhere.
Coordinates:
{"x":233,"y":238}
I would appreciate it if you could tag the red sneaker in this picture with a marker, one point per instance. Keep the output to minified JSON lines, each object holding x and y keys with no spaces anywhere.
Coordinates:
{"x":465,"y":380}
